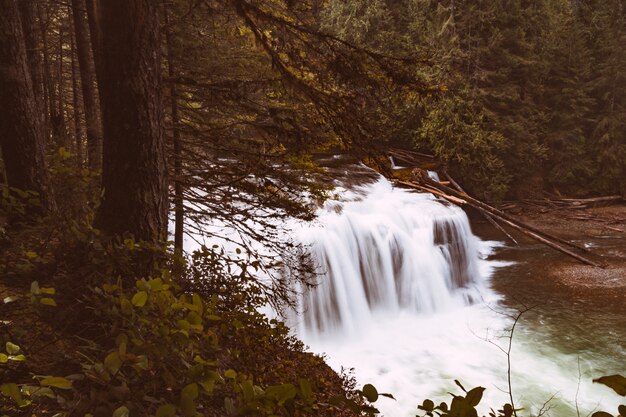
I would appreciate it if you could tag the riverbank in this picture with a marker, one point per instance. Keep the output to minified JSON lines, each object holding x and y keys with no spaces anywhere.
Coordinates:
{"x":600,"y":229}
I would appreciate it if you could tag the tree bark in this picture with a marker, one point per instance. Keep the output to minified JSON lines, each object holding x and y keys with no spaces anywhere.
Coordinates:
{"x":22,"y":136}
{"x":134,"y":171}
{"x":78,"y":126}
{"x":28,"y":14}
{"x":88,"y":82}
{"x":179,"y":207}
{"x":95,"y":35}
{"x":59,"y":126}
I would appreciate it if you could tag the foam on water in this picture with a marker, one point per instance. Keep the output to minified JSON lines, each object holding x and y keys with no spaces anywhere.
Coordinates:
{"x":403,"y":297}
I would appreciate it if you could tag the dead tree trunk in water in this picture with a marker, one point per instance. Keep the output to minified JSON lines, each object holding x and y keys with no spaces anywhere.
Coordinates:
{"x":21,"y":131}
{"x":88,"y":83}
{"x":134,"y":171}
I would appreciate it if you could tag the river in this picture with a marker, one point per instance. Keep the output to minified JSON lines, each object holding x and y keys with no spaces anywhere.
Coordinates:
{"x":409,"y":299}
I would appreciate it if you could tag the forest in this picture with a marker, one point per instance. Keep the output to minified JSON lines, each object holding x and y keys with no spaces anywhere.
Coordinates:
{"x":157,"y":159}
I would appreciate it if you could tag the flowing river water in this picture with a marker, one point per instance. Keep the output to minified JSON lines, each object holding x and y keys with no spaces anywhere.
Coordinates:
{"x":410,"y":299}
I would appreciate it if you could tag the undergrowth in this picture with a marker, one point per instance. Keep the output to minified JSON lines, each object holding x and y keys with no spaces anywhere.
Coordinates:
{"x":102,"y":327}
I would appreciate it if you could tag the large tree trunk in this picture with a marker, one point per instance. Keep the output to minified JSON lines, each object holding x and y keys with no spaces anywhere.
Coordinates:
{"x":134,"y":172}
{"x":88,"y":80}
{"x":21,"y":131}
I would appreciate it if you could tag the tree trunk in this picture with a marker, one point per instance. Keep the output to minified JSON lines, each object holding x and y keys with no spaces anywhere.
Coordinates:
{"x":88,"y":80}
{"x":59,"y":126}
{"x":78,"y":126}
{"x":179,"y":207}
{"x":134,"y":171}
{"x":28,"y":14}
{"x":95,"y":34}
{"x":22,"y":138}
{"x":48,"y":92}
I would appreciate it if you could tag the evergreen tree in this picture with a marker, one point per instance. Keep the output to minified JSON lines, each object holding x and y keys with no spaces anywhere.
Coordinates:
{"x":568,"y":103}
{"x":609,"y":86}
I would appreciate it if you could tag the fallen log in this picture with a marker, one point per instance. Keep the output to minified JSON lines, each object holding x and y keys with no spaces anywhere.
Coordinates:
{"x":551,"y":244}
{"x":485,"y":215}
{"x":494,"y":211}
{"x":433,"y":191}
{"x":515,"y":226}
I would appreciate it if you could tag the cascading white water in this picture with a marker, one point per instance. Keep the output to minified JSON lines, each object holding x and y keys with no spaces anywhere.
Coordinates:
{"x":403,"y":298}
{"x":380,"y":250}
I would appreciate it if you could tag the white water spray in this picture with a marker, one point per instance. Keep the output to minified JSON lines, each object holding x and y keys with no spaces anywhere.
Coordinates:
{"x":391,"y":251}
{"x":403,"y":298}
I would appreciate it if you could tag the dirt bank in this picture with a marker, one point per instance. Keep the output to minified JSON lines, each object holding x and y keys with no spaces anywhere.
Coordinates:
{"x":601,"y":229}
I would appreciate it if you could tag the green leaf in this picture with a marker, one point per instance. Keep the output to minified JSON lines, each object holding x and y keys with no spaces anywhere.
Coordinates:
{"x":166,"y":410}
{"x":188,"y":396}
{"x":305,"y":389}
{"x":13,"y":391}
{"x":190,"y":391}
{"x":3,"y":358}
{"x":121,"y":412}
{"x":155,"y":284}
{"x":56,"y":382}
{"x":281,"y":393}
{"x":370,"y":392}
{"x":34,"y":288}
{"x":12,"y":348}
{"x":113,"y":362}
{"x":31,"y":254}
{"x":48,"y":290}
{"x":616,"y":382}
{"x":48,"y":302}
{"x":139,"y":299}
{"x":38,"y":392}
{"x":17,"y":358}
{"x":248,"y":390}
{"x":474,"y":396}
{"x":197,"y":301}
{"x":229,"y":404}
{"x":230,"y":374}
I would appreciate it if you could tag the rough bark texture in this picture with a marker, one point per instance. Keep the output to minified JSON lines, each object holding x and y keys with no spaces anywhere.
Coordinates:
{"x":88,"y":81}
{"x":134,"y":174}
{"x":21,"y":130}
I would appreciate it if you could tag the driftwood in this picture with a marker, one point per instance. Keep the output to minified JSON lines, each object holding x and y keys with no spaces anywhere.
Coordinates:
{"x":433,"y":191}
{"x":563,"y":203}
{"x":424,"y":183}
{"x":494,"y":211}
{"x":487,"y":216}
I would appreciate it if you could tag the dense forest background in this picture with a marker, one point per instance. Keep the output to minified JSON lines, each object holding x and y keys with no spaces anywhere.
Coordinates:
{"x":123,"y":122}
{"x":532,"y":92}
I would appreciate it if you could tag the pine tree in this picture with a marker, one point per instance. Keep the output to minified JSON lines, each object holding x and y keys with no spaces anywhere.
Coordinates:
{"x":568,"y":104}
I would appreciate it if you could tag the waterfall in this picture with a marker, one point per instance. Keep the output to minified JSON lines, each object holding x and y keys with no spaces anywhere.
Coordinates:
{"x":380,"y":250}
